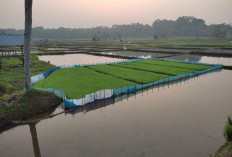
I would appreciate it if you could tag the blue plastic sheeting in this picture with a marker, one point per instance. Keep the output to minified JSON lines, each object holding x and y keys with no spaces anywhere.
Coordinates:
{"x":36,"y":78}
{"x":108,"y":93}
{"x":90,"y":98}
{"x":50,"y":71}
{"x":12,"y":39}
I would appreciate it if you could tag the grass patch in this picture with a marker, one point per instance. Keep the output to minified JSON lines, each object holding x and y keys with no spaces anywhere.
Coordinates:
{"x":12,"y":75}
{"x":188,"y":43}
{"x":176,"y":64}
{"x":14,"y":103}
{"x":224,"y":151}
{"x":137,"y":76}
{"x":156,"y":68}
{"x":160,"y":42}
{"x":77,"y":82}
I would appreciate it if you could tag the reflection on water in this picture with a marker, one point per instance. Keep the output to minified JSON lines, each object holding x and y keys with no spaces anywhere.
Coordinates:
{"x":71,"y":59}
{"x":34,"y":140}
{"x":136,"y":54}
{"x":203,"y":59}
{"x":183,"y":119}
{"x":216,"y":60}
{"x":193,"y":58}
{"x":57,"y":49}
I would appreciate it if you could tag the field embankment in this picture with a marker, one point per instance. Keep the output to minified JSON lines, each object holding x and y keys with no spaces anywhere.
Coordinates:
{"x":14,"y":103}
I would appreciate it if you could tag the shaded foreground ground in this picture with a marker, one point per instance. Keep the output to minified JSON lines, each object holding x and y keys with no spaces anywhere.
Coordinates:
{"x":29,"y":104}
{"x":77,"y":82}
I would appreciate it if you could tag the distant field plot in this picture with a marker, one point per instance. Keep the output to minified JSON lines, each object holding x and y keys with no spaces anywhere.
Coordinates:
{"x":156,"y":68}
{"x":77,"y":82}
{"x":176,"y":64}
{"x":137,"y":76}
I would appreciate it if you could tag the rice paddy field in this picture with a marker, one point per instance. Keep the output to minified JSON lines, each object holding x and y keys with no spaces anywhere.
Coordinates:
{"x":172,"y":71}
{"x":80,"y":81}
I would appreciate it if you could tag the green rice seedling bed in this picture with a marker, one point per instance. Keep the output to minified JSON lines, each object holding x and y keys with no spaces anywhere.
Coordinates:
{"x":77,"y":82}
{"x":176,"y":64}
{"x":156,"y":68}
{"x":133,"y":75}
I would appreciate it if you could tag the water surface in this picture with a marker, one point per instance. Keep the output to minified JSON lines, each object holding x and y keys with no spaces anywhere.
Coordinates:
{"x":204,"y":59}
{"x":136,"y":54}
{"x":181,"y":120}
{"x":71,"y":59}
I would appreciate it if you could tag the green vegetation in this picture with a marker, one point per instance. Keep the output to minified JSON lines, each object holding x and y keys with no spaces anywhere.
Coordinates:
{"x":185,"y":27}
{"x":77,"y":82}
{"x":155,"y":68}
{"x":137,"y":76}
{"x":228,"y":132}
{"x":176,"y":64}
{"x":226,"y":149}
{"x":14,"y":103}
{"x":189,"y":43}
{"x":146,"y":43}
{"x":12,"y":75}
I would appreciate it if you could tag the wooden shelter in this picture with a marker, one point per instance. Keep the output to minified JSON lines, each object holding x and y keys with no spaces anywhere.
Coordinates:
{"x":11,"y":46}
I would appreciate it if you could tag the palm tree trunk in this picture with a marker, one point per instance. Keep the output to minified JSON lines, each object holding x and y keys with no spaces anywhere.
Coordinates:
{"x":27,"y":40}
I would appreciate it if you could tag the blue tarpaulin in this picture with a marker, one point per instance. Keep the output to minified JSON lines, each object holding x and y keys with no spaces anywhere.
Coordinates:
{"x":12,"y":39}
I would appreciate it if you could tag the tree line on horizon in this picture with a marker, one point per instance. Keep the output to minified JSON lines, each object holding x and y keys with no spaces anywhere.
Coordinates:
{"x":185,"y":26}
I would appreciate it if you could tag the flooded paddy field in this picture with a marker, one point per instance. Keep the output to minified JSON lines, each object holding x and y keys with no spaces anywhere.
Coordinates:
{"x":71,"y":59}
{"x":135,"y":54}
{"x":204,"y":59}
{"x":183,"y":119}
{"x":183,"y":57}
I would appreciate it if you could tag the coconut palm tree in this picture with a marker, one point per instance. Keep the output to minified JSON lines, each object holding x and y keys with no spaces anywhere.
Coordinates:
{"x":27,"y":40}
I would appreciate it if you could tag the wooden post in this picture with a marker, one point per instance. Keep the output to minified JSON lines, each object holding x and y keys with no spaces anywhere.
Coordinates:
{"x":142,"y":89}
{"x":0,"y":63}
{"x":153,"y":86}
{"x":128,"y":89}
{"x":82,"y":102}
{"x":158,"y":85}
{"x":163,"y":85}
{"x":172,"y":81}
{"x":21,"y":47}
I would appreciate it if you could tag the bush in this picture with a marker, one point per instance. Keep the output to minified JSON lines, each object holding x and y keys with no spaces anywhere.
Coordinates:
{"x":228,"y":133}
{"x":229,"y":120}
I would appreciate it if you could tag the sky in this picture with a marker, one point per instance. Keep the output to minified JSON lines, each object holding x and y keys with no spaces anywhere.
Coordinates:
{"x":91,"y":13}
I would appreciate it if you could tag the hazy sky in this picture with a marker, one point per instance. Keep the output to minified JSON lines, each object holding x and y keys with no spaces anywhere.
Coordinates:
{"x":89,"y":13}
